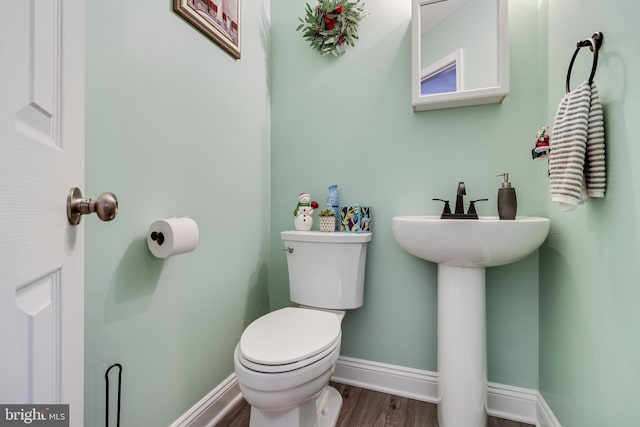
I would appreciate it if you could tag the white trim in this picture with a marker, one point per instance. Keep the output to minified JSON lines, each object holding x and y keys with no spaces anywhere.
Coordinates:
{"x":213,"y":407}
{"x":545,"y":417}
{"x":391,"y":379}
{"x":512,"y":403}
{"x":508,"y":402}
{"x":503,"y":401}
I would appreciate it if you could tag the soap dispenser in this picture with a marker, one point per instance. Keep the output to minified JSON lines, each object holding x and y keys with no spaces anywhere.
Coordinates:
{"x":507,"y":202}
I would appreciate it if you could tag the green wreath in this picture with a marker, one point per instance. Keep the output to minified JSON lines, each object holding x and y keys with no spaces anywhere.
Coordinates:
{"x":331,"y":25}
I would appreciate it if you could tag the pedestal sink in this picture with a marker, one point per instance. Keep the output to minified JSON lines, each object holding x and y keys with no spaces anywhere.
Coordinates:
{"x":462,"y":249}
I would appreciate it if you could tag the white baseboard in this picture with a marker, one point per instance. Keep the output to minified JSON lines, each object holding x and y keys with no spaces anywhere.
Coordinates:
{"x":544,"y":415}
{"x":503,"y":401}
{"x":392,"y":379}
{"x":512,"y":403}
{"x":508,"y":402}
{"x":213,"y":407}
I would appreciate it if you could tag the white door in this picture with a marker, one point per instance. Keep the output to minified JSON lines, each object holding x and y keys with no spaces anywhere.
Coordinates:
{"x":41,"y":157}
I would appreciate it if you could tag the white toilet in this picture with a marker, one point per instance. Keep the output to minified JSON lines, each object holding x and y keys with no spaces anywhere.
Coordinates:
{"x":284,"y":359}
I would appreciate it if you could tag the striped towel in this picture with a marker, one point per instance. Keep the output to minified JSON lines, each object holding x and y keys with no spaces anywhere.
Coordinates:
{"x":577,"y":158}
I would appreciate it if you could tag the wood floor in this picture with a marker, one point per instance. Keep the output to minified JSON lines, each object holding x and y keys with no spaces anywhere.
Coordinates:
{"x":367,"y":408}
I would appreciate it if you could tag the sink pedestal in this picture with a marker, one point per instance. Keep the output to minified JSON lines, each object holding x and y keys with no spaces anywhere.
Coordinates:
{"x":463,"y":248}
{"x":462,"y":348}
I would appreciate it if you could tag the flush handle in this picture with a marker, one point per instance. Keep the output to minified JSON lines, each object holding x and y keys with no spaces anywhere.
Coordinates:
{"x":289,"y":249}
{"x":105,"y":206}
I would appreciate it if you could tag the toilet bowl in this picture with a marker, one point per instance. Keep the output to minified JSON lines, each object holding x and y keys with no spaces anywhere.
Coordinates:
{"x":285,"y":359}
{"x":283,"y":363}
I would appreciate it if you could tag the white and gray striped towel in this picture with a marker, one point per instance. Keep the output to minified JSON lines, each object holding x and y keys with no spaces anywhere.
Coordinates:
{"x":577,"y":168}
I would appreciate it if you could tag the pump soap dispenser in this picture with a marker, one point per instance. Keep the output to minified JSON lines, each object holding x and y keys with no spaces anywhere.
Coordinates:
{"x":507,"y":202}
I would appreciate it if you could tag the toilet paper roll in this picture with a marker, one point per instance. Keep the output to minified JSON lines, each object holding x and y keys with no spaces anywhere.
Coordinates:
{"x":173,"y":236}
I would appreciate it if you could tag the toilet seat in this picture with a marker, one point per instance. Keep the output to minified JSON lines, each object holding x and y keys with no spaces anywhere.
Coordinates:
{"x":278,"y":369}
{"x":288,"y":339}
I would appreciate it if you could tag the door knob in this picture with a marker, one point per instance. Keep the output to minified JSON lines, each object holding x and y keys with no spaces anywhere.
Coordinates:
{"x":106,"y":206}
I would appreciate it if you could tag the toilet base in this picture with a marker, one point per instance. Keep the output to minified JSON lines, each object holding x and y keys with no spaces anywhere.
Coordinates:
{"x":322,"y":411}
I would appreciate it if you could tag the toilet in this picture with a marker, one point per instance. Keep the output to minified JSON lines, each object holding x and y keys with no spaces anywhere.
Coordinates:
{"x":285,"y":359}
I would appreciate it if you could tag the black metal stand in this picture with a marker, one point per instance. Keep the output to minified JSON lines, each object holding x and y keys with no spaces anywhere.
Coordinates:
{"x":106,"y":409}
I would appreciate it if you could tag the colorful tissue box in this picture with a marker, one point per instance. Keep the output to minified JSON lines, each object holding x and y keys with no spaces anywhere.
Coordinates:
{"x":355,"y":218}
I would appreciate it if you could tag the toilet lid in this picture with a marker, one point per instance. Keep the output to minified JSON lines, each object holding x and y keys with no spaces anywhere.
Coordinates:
{"x":289,"y":335}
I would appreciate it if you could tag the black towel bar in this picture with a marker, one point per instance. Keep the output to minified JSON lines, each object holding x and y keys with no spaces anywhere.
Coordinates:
{"x":594,"y":43}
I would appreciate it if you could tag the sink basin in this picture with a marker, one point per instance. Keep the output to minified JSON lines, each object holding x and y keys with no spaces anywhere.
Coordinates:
{"x":485,"y":242}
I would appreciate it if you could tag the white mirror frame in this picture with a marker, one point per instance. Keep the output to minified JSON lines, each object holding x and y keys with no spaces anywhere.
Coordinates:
{"x":463,"y":98}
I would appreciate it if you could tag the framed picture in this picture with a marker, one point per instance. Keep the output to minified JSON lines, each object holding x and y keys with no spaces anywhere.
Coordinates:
{"x":217,"y":19}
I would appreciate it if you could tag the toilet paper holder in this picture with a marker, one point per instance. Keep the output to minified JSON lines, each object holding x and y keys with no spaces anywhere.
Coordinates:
{"x":158,"y":237}
{"x":172,"y":236}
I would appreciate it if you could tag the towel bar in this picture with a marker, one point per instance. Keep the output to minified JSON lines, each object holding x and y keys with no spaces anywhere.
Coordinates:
{"x":594,"y":43}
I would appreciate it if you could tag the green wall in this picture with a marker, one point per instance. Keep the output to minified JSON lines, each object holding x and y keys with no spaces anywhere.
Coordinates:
{"x":349,"y":121}
{"x":175,"y":126}
{"x":589,"y":293}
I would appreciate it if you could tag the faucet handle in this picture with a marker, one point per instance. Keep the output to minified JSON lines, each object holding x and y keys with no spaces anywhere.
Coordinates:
{"x":472,"y":206}
{"x":447,"y":208}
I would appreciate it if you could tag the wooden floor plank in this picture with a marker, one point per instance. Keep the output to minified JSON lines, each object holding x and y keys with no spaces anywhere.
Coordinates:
{"x":371,"y":410}
{"x":421,"y":414}
{"x":398,"y":412}
{"x":498,"y":422}
{"x":368,"y":408}
{"x":350,"y":399}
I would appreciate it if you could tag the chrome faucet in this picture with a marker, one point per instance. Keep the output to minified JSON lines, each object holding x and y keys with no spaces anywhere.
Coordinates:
{"x":459,"y":210}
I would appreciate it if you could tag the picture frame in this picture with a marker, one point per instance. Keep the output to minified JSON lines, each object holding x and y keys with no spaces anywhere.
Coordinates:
{"x":217,"y":19}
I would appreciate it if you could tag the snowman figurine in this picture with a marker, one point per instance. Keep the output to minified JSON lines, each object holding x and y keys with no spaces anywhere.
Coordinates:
{"x":303,"y":212}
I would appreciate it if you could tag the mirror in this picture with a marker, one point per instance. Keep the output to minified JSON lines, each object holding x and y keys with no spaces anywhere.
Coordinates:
{"x":460,"y":53}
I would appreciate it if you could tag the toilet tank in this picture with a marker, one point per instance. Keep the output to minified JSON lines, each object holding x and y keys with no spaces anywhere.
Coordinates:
{"x":326,"y":270}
